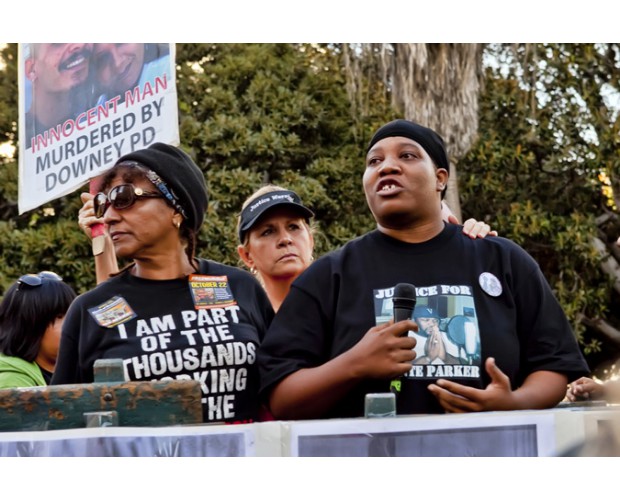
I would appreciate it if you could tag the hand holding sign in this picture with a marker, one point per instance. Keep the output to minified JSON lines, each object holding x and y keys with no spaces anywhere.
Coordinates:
{"x":88,"y":222}
{"x":97,"y":230}
{"x":76,"y":126}
{"x":93,"y":227}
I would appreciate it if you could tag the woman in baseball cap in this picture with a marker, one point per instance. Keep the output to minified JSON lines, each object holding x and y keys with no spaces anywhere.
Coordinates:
{"x":276,"y":239}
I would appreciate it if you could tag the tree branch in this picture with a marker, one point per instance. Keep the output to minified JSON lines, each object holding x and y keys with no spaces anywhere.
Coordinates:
{"x":608,"y":264}
{"x":602,"y":327}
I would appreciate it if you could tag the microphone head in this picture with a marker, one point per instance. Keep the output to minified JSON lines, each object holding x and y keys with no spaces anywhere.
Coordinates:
{"x":404,"y":296}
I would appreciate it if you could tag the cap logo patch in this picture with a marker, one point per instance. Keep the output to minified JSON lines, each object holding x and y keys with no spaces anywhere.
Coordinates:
{"x":273,"y":197}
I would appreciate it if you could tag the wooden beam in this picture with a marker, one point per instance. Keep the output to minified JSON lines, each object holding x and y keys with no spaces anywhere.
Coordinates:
{"x":138,"y":404}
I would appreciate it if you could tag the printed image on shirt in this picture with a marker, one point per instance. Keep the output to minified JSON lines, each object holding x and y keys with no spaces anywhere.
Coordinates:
{"x":210,"y":291}
{"x":112,"y":312}
{"x":448,"y":338}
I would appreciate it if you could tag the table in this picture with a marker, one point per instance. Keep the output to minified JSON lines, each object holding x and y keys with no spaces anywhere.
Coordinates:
{"x":569,"y":430}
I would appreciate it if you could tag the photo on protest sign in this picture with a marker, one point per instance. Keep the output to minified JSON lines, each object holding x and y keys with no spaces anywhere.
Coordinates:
{"x":83,"y":105}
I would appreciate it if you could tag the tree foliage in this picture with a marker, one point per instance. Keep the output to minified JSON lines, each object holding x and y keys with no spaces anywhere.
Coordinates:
{"x":277,"y":113}
{"x":249,"y":114}
{"x":434,"y":84}
{"x":547,"y":139}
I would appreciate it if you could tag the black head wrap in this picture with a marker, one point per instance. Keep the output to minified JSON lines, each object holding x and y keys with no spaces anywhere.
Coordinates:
{"x":430,"y":140}
{"x":183,"y":180}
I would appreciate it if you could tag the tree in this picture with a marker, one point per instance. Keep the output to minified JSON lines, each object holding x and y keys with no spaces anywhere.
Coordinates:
{"x":548,"y":142}
{"x":249,"y":114}
{"x":273,"y":113}
{"x":434,"y":84}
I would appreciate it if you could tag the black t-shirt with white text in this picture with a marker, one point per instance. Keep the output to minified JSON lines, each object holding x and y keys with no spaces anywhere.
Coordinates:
{"x":208,"y":330}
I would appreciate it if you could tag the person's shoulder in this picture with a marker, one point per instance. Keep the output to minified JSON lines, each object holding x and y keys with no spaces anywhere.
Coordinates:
{"x":5,"y":362}
{"x":506,"y":244}
{"x":213,"y":268}
{"x":14,"y":363}
{"x":351,"y":246}
{"x":156,"y":67}
{"x":159,"y":63}
{"x":331,"y":262}
{"x":493,"y":241}
{"x":331,"y":257}
{"x":500,"y":245}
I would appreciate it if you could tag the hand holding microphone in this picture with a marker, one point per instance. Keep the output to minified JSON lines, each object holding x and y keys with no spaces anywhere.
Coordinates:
{"x":386,"y":351}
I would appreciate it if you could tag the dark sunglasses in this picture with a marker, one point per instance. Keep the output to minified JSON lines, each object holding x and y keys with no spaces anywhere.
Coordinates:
{"x":34,"y":280}
{"x":120,"y":197}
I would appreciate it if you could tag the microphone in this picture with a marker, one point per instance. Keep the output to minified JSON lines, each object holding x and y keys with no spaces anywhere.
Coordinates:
{"x":404,"y":301}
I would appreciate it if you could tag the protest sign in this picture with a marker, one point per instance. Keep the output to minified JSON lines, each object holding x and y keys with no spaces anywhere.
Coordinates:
{"x":83,"y":105}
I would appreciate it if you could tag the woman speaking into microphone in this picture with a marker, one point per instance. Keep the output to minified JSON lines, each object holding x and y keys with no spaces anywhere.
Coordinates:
{"x":334,"y":340}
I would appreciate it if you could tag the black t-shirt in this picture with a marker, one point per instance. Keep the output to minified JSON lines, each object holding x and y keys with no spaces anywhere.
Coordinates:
{"x":155,"y":327}
{"x":47,"y":376}
{"x":485,"y":297}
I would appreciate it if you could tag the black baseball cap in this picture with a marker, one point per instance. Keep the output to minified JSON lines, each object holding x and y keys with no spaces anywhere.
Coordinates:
{"x":259,"y":206}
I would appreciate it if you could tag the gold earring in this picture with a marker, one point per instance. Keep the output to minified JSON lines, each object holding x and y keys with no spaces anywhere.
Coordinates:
{"x":176,"y":223}
{"x":253,"y":270}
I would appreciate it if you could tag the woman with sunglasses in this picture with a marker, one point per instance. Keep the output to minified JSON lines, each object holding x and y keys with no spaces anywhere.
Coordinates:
{"x":31,"y":315}
{"x":167,"y":315}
